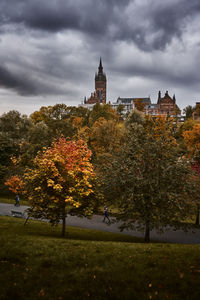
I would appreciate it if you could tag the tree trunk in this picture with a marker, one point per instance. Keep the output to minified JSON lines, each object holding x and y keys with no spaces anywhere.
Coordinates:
{"x":197,"y":215}
{"x":147,"y":233}
{"x":26,"y":220}
{"x":63,"y":218}
{"x":63,"y":225}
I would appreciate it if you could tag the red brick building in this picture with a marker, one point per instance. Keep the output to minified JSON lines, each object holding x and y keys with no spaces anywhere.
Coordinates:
{"x":99,"y":94}
{"x":167,"y":105}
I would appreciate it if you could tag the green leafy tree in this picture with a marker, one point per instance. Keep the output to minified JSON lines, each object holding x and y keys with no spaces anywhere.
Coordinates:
{"x":61,"y":119}
{"x":148,"y":180}
{"x":106,"y":137}
{"x":14,"y":129}
{"x":39,"y":136}
{"x":196,"y":202}
{"x":102,"y":111}
{"x":57,"y":119}
{"x":135,"y":117}
{"x":6,"y":151}
{"x":120,"y":110}
{"x":188,"y":111}
{"x":14,"y":125}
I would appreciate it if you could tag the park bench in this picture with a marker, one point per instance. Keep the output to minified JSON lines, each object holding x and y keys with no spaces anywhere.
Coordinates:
{"x":18,"y":214}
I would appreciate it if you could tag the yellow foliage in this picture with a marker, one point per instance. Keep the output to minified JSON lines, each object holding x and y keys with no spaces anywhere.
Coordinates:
{"x":62,"y":173}
{"x":192,"y":139}
{"x":106,"y":136}
{"x":160,"y":126}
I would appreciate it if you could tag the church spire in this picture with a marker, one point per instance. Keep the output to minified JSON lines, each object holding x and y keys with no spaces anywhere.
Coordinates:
{"x":100,"y":67}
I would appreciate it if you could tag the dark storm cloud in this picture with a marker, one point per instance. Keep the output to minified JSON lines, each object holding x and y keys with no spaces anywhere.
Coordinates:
{"x":24,"y":84}
{"x":172,"y":20}
{"x":87,"y":15}
{"x":188,"y":78}
{"x":162,"y":20}
{"x":9,"y":80}
{"x":115,"y":19}
{"x":52,"y":47}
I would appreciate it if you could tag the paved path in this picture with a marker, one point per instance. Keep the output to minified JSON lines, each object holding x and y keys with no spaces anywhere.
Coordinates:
{"x":178,"y":236}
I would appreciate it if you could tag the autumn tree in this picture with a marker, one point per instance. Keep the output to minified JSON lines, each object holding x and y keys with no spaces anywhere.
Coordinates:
{"x":120,"y":110}
{"x":196,"y":169}
{"x":135,"y":117}
{"x":57,"y":120}
{"x":139,"y":105}
{"x":15,"y":184}
{"x":106,"y":137}
{"x":102,"y":111}
{"x":48,"y":113}
{"x":197,"y":109}
{"x":148,"y":180}
{"x":192,"y":139}
{"x":60,"y":182}
{"x":58,"y":114}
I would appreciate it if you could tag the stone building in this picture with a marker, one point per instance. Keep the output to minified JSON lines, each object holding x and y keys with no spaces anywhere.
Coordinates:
{"x":129,"y":103}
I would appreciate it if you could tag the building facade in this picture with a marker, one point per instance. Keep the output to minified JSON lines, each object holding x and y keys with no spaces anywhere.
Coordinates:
{"x":130,"y":103}
{"x":167,"y":105}
{"x":99,"y":95}
{"x":164,"y":106}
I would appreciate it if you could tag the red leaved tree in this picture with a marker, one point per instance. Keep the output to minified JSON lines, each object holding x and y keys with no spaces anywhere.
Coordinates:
{"x":60,"y":182}
{"x":15,"y":184}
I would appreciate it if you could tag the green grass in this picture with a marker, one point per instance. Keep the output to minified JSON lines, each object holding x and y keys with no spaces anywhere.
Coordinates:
{"x":36,"y":263}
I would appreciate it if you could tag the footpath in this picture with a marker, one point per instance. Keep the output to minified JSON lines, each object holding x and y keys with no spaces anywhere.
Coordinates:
{"x":170,"y":236}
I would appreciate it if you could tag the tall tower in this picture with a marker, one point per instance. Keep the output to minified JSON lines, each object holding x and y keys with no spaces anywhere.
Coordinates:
{"x":159,"y":97}
{"x":100,"y":84}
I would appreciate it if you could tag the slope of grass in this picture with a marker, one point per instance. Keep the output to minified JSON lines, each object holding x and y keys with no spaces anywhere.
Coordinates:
{"x":35,"y":263}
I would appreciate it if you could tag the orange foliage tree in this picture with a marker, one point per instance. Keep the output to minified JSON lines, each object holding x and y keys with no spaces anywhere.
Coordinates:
{"x":61,"y":182}
{"x":15,"y":184}
{"x":139,"y":104}
{"x":192,"y":139}
{"x":160,"y":126}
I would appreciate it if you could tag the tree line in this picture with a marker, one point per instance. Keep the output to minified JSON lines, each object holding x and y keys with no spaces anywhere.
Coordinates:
{"x":71,"y":160}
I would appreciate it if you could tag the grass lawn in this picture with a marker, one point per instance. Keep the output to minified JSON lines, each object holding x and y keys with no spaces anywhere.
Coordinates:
{"x":36,"y":263}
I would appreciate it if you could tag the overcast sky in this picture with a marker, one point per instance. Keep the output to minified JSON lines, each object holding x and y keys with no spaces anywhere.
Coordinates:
{"x":50,"y":50}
